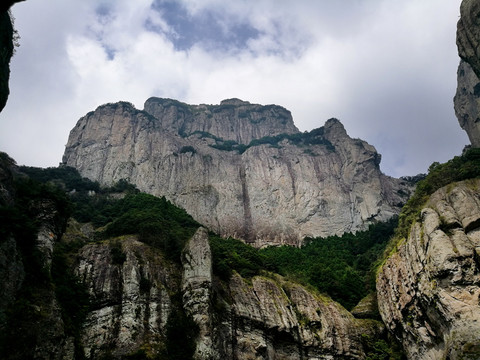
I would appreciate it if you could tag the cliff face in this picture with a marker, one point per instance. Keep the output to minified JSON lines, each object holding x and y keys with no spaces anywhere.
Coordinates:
{"x":428,"y":291}
{"x":31,"y":324}
{"x":6,"y":52}
{"x":233,"y":119}
{"x":466,"y":101}
{"x":265,"y":317}
{"x":139,"y":301}
{"x":216,"y":163}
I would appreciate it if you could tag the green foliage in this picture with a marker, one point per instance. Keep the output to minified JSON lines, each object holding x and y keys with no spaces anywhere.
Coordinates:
{"x":233,"y":255}
{"x":382,"y":349}
{"x":314,"y":137}
{"x":157,"y":221}
{"x":33,"y":203}
{"x":187,"y":149}
{"x":22,"y":219}
{"x":338,"y":266}
{"x":223,"y":107}
{"x":65,"y":177}
{"x":225,"y":145}
{"x":459,"y":168}
{"x":121,"y":186}
{"x":181,"y":332}
{"x":70,"y":292}
{"x":341,"y":267}
{"x":116,"y":252}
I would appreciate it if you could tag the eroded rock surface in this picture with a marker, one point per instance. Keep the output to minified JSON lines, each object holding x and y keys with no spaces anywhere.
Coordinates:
{"x":130,"y":296}
{"x":468,"y":34}
{"x":276,"y":319}
{"x":266,"y":192}
{"x":428,"y":291}
{"x":466,"y":101}
{"x":197,"y":291}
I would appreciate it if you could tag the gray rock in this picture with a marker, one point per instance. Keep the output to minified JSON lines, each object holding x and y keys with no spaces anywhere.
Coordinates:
{"x":428,"y":291}
{"x":275,"y":193}
{"x":197,"y":291}
{"x":467,"y":102}
{"x":131,"y":301}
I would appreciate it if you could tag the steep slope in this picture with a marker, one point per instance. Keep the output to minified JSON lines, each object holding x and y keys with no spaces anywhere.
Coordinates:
{"x":428,"y":290}
{"x":6,"y":52}
{"x":32,"y":220}
{"x":75,"y":294}
{"x":467,"y":98}
{"x":243,"y":170}
{"x":262,"y":317}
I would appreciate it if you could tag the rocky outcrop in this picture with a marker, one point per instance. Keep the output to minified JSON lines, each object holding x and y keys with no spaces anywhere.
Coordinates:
{"x":268,"y":190}
{"x":266,"y":317}
{"x":6,"y":52}
{"x":467,"y":102}
{"x":468,"y":34}
{"x":197,"y":291}
{"x":233,"y":119}
{"x":272,"y":318}
{"x":129,"y":289}
{"x":466,"y":99}
{"x":428,"y":291}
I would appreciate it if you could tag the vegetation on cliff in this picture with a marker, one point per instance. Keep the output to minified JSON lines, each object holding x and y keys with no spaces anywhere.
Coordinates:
{"x":306,"y":139}
{"x":338,"y":266}
{"x":466,"y":166}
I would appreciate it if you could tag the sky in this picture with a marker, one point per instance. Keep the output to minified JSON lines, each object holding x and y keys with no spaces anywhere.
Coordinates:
{"x":385,"y":68}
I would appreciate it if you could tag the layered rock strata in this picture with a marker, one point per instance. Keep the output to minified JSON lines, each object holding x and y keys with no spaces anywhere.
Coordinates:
{"x":218,"y":163}
{"x":428,"y":291}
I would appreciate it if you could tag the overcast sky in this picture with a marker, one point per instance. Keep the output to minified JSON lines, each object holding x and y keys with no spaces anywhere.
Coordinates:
{"x":385,"y":68}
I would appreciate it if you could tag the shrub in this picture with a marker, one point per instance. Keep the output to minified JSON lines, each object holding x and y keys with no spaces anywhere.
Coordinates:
{"x":187,"y":149}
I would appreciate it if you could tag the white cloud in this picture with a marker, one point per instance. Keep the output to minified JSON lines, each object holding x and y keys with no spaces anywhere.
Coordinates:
{"x":386,"y":69}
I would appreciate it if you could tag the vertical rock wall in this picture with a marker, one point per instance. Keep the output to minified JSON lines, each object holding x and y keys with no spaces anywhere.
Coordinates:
{"x":428,"y":291}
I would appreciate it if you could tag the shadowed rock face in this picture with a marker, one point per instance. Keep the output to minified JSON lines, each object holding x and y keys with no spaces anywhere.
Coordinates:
{"x":428,"y":291}
{"x":6,"y":52}
{"x":278,"y":190}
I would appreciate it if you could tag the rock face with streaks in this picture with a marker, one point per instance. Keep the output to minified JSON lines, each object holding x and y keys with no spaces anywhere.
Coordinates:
{"x":130,"y":296}
{"x":267,"y":317}
{"x":243,"y":170}
{"x":263,"y":317}
{"x":197,"y":291}
{"x":466,"y":101}
{"x":428,"y":291}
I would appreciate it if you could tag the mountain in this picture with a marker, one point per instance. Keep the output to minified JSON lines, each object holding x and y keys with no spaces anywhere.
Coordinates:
{"x":95,"y":272}
{"x":241,"y":169}
{"x":75,"y":290}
